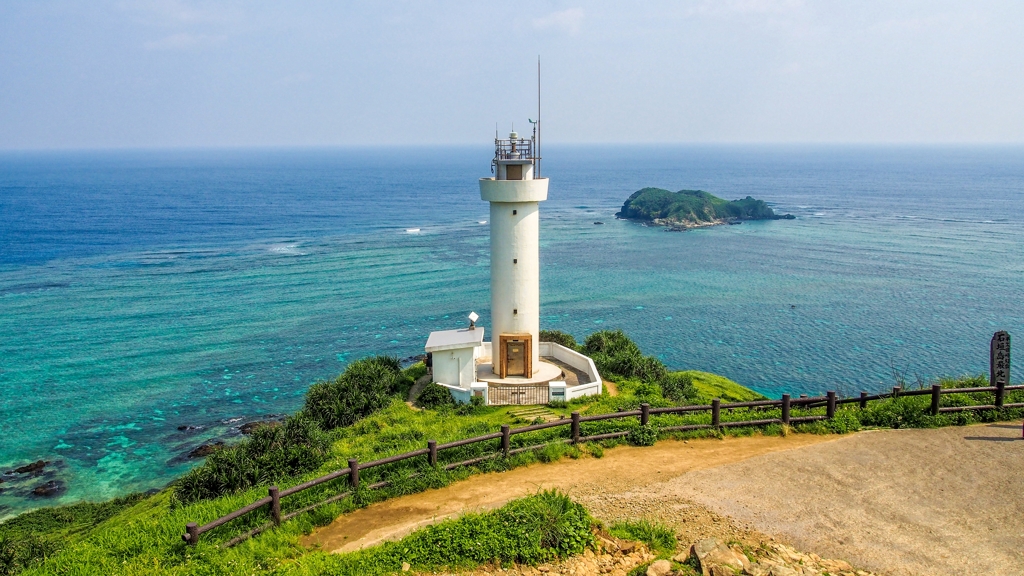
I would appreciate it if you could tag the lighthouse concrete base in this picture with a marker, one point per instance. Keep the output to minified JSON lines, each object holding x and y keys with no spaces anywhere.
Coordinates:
{"x":543,"y":373}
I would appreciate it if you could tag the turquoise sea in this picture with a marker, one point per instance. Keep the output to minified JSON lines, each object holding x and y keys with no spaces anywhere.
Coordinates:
{"x":145,"y":291}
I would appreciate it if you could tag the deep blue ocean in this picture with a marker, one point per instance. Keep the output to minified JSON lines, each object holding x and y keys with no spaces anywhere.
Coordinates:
{"x":143,"y":291}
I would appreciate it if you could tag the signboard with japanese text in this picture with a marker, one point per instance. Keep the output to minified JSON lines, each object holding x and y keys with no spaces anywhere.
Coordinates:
{"x":999,"y":363}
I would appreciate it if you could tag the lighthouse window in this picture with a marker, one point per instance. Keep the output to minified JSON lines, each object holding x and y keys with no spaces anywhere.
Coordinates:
{"x":515,"y":260}
{"x":514,"y":172}
{"x":515,"y":311}
{"x":514,"y":212}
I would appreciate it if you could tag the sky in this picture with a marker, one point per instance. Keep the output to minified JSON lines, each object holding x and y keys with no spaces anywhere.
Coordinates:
{"x":178,"y":73}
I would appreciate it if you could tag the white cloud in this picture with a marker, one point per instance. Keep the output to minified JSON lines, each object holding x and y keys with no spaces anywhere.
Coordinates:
{"x":568,"y":21}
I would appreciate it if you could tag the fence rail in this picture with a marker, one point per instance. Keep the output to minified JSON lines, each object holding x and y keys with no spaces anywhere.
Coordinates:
{"x":786,"y":404}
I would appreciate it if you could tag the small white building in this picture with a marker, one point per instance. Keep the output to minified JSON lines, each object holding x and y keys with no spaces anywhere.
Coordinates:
{"x":454,"y":355}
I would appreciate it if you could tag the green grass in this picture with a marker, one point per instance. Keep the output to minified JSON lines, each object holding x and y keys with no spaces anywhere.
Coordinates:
{"x":658,"y":537}
{"x":711,"y":386}
{"x":142,"y":534}
{"x":539,"y":528}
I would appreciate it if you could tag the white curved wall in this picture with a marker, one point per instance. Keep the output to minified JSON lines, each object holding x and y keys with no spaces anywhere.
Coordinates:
{"x":515,"y":271}
{"x":492,"y":190}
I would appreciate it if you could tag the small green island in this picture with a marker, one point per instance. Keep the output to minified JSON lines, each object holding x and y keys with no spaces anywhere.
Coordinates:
{"x":688,"y":209}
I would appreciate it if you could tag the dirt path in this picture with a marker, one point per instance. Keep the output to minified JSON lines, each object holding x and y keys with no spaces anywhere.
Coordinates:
{"x":938,"y":502}
{"x":935,"y":502}
{"x":622,"y":468}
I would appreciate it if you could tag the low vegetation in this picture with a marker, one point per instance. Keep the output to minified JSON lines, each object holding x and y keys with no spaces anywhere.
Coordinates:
{"x":366,"y":386}
{"x":531,"y":530}
{"x":435,"y":396}
{"x":142,"y":534}
{"x":271,"y":454}
{"x":659,"y":538}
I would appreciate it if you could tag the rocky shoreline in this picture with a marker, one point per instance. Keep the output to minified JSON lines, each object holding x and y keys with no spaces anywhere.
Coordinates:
{"x":673,"y":225}
{"x":39,"y":479}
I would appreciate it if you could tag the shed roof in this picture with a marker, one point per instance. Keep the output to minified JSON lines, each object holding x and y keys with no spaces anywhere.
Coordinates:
{"x":455,"y":339}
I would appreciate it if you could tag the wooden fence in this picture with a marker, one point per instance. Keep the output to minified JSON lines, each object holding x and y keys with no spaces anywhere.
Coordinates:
{"x":786,"y":404}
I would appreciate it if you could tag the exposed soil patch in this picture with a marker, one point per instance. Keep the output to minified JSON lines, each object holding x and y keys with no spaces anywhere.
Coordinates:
{"x":593,"y":482}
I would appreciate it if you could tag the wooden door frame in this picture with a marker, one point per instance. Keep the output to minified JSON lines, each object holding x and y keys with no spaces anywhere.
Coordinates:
{"x":503,"y":340}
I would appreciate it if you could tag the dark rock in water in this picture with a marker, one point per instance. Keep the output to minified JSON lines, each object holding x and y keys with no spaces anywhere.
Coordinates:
{"x":31,"y":468}
{"x":250,"y":427}
{"x":206,"y":449}
{"x":735,"y":223}
{"x":410,"y":360}
{"x":598,"y":223}
{"x":189,"y":428}
{"x":49,"y":489}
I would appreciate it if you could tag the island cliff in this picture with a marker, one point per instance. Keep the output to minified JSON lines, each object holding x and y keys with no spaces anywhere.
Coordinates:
{"x":692,"y":209}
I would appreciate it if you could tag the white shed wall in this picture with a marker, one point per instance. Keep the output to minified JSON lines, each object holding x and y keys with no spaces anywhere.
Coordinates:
{"x":455,"y":367}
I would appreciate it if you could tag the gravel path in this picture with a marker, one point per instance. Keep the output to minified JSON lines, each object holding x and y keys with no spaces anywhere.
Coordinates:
{"x":935,"y":502}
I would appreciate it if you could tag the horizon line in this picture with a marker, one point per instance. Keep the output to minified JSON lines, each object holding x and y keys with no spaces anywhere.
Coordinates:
{"x":638,"y":144}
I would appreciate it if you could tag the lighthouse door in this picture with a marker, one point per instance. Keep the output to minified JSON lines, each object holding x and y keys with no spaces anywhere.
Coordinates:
{"x":516,"y":355}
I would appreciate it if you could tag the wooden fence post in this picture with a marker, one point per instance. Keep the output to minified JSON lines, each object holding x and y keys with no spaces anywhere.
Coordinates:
{"x":192,"y":531}
{"x":275,"y":505}
{"x":645,"y":413}
{"x":575,"y":427}
{"x":506,"y":438}
{"x":432,"y":452}
{"x":863,"y":400}
{"x":830,"y":412}
{"x":936,"y":394}
{"x":785,"y":409}
{"x":716,"y":412}
{"x":896,"y":391}
{"x":353,"y":473}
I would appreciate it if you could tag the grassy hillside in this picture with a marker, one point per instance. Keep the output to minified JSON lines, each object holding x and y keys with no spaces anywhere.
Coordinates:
{"x":692,"y":207}
{"x":711,"y":386}
{"x":141,"y":534}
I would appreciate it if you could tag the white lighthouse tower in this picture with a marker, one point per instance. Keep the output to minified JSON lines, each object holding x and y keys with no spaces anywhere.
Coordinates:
{"x":515,"y":193}
{"x":515,"y":367}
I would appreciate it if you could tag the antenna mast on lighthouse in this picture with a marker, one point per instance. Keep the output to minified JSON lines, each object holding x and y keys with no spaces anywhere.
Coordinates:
{"x":536,"y":152}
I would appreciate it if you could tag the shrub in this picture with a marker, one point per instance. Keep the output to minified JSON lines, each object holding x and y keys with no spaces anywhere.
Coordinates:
{"x":472,"y":407}
{"x":270,"y":454}
{"x":645,"y":435}
{"x":435,"y":396}
{"x":678,"y":387}
{"x":614,"y":353}
{"x":365,"y":387}
{"x":559,"y":337}
{"x":899,"y":412}
{"x":844,"y":422}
